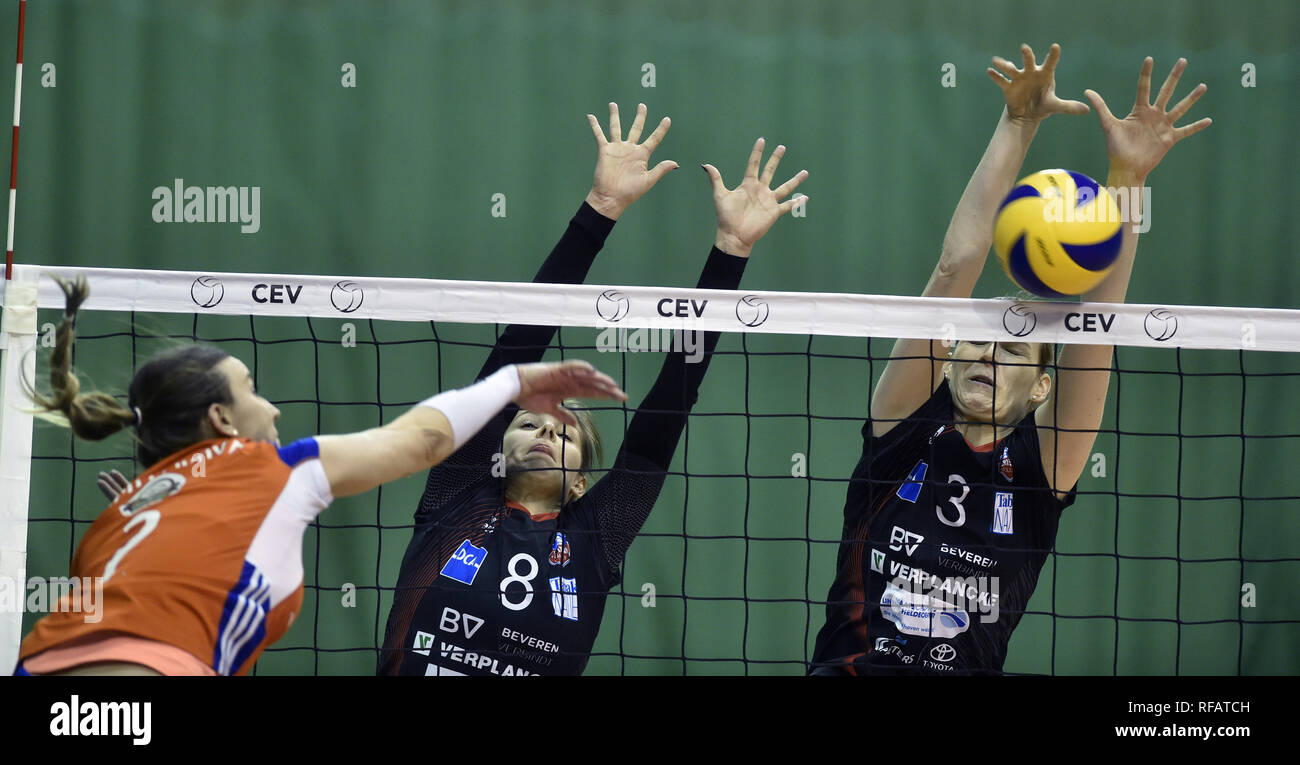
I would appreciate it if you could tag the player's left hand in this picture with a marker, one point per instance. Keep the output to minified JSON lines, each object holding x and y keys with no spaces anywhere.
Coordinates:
{"x":746,"y":212}
{"x":112,"y":484}
{"x":1031,"y":92}
{"x":621,"y":165}
{"x":1137,"y":143}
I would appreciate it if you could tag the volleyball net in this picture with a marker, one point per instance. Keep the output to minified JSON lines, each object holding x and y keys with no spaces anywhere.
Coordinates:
{"x":1179,"y":556}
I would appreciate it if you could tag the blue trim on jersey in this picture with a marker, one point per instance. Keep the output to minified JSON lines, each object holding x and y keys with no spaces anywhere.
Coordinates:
{"x":243,"y":620}
{"x":302,"y":449}
{"x":20,"y":672}
{"x":911,"y":488}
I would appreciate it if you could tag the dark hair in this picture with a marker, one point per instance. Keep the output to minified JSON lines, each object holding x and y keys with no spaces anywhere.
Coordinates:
{"x":172,"y":391}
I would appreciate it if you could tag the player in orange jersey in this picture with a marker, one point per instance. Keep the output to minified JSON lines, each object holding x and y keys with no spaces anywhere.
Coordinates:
{"x":201,"y":556}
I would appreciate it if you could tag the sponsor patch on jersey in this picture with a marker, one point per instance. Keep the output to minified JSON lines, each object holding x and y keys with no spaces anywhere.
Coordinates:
{"x":877,"y":561}
{"x":919,"y":614}
{"x":160,"y":487}
{"x":559,"y":550}
{"x":911,"y":488}
{"x":464,"y":564}
{"x":1001,"y":513}
{"x":564,"y":597}
{"x":423,"y":643}
{"x":943,"y":652}
{"x":1004,"y":466}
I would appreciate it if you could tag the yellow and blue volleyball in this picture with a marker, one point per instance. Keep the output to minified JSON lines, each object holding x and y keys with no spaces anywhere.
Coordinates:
{"x":1057,"y":233}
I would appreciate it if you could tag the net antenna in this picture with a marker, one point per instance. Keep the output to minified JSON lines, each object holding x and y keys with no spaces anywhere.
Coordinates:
{"x":17,"y":339}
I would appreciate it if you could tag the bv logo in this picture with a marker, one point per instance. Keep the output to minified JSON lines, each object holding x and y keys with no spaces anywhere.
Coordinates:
{"x":464,"y":564}
{"x":900,"y":538}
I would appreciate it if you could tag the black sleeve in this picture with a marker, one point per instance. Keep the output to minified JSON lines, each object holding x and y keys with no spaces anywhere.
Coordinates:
{"x":622,"y":500}
{"x":568,"y":263}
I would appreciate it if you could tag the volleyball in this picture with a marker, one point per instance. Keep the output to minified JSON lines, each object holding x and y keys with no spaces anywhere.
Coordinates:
{"x":1057,"y":233}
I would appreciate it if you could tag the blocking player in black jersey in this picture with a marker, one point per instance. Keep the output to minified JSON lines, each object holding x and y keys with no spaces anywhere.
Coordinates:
{"x":970,"y":456}
{"x":515,"y":548}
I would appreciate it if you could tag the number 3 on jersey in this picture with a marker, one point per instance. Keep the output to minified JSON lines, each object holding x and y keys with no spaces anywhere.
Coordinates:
{"x":911,"y":489}
{"x":956,"y":502}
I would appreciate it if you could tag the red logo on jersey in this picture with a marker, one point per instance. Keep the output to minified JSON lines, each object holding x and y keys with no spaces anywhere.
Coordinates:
{"x":1004,"y":467}
{"x":559,"y":550}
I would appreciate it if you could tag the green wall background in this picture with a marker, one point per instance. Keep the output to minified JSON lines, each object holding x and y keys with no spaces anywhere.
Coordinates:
{"x":457,"y":101}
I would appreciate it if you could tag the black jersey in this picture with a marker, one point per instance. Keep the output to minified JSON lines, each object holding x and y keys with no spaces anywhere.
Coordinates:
{"x":486,"y":589}
{"x":942,"y":548}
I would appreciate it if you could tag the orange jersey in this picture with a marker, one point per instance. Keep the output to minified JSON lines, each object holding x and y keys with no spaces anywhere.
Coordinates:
{"x":202,"y":552}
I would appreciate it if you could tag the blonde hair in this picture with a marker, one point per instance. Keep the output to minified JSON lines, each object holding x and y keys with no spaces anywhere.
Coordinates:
{"x":593,"y":450}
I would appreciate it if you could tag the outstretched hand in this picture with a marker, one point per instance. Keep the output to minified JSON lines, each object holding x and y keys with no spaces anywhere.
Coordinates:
{"x":1137,"y":143}
{"x":621,"y":165}
{"x":1031,"y":92}
{"x":112,"y":484}
{"x":543,"y":386}
{"x":748,"y":211}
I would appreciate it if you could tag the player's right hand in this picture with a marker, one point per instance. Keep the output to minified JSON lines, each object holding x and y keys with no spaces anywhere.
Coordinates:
{"x":621,"y":174}
{"x":543,"y":386}
{"x":1031,"y":92}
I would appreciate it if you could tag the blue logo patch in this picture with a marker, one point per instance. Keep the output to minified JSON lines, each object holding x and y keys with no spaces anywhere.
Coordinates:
{"x":1001,"y":513}
{"x":464,"y":564}
{"x":564,"y":597}
{"x":911,"y":488}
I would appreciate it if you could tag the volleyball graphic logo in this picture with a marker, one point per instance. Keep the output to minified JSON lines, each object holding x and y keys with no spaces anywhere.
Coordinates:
{"x":612,"y":305}
{"x":751,"y":310}
{"x":1019,"y":321}
{"x":1160,"y":324}
{"x":1057,"y":233}
{"x":207,"y":291}
{"x":347,"y":296}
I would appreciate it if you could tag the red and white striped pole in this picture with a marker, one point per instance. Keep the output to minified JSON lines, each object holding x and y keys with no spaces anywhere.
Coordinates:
{"x":13,"y":156}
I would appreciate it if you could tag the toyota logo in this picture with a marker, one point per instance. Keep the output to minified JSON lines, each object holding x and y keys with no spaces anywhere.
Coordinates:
{"x":943,"y":652}
{"x":207,"y":291}
{"x":751,"y":310}
{"x":1018,"y":320}
{"x":612,"y":305}
{"x":347,"y":296}
{"x":1160,"y":324}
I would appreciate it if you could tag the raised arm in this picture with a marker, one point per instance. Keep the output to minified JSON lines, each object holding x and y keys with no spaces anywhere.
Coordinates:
{"x":915,"y":366}
{"x":433,"y":429}
{"x":621,"y":177}
{"x":624,"y":498}
{"x":1067,"y":424}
